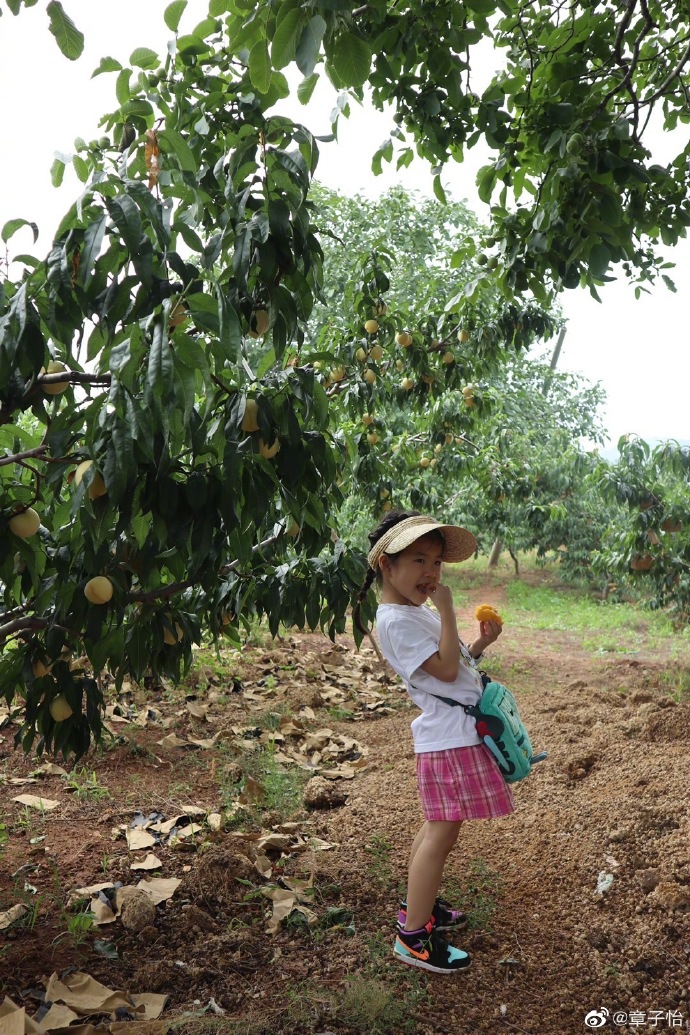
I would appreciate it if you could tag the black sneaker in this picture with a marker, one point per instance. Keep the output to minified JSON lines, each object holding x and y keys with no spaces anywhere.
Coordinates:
{"x":444,"y":916}
{"x":428,"y":950}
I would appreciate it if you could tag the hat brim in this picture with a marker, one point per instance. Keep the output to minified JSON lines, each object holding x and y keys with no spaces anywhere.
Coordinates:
{"x":458,"y":542}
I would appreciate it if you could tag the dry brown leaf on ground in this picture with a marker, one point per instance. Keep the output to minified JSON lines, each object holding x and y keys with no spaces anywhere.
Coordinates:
{"x":34,"y":802}
{"x":10,"y":916}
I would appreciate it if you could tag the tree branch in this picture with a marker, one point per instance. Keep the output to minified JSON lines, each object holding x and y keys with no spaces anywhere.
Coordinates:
{"x":15,"y":458}
{"x":18,"y":624}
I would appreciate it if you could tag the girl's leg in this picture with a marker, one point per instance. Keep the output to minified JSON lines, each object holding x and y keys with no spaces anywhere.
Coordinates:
{"x":430,"y":849}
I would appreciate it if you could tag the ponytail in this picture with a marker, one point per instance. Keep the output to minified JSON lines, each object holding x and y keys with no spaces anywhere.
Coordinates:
{"x":393,"y":517}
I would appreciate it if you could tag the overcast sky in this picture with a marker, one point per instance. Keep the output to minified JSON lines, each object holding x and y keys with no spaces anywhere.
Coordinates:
{"x":638,"y":349}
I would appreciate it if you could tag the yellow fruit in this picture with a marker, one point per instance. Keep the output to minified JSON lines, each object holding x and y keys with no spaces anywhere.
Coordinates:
{"x":170,"y":637}
{"x":258,"y":323}
{"x":434,"y":462}
{"x":381,"y":309}
{"x":97,"y":487}
{"x":369,"y":375}
{"x":371,"y":326}
{"x":387,"y":506}
{"x":376,"y":352}
{"x":337,"y":373}
{"x":367,"y":419}
{"x":268,"y":451}
{"x":293,"y":530}
{"x":384,"y":494}
{"x":59,"y":708}
{"x":178,"y":314}
{"x":424,"y":462}
{"x":400,"y":364}
{"x":41,"y":667}
{"x":407,"y":383}
{"x":25,"y":523}
{"x":468,"y":389}
{"x":463,"y":335}
{"x":448,"y":357}
{"x":54,"y":367}
{"x":361,"y":354}
{"x":404,"y":339}
{"x":449,"y":439}
{"x":249,"y":420}
{"x":469,"y":400}
{"x":487,"y":613}
{"x":98,"y":590}
{"x":438,"y":447}
{"x":372,"y":438}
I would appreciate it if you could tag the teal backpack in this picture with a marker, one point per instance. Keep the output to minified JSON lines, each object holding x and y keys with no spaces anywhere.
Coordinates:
{"x":502,"y":730}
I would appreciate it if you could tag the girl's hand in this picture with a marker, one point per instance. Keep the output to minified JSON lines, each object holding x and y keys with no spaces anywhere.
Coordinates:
{"x":489,"y":632}
{"x":442,"y":598}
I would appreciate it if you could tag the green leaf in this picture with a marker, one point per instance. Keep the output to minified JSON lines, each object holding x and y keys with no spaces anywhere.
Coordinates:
{"x":218,"y":7}
{"x":93,"y":238}
{"x":439,"y":191}
{"x":128,"y":221}
{"x":57,"y":172}
{"x":144,"y":57}
{"x":11,"y":226}
{"x":230,"y":336}
{"x":108,"y":64}
{"x":309,"y":46}
{"x":306,"y":88}
{"x":122,"y":88}
{"x":171,"y":141}
{"x":81,"y":168}
{"x":173,"y":14}
{"x":286,"y":38}
{"x":260,"y":66}
{"x":599,"y":259}
{"x":160,"y":370}
{"x":69,"y":39}
{"x":351,"y":59}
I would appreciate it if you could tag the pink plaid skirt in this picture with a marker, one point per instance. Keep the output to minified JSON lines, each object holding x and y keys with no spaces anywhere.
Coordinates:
{"x":462,"y":783}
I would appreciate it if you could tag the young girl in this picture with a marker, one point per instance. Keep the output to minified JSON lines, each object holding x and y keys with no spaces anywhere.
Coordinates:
{"x":457,"y":776}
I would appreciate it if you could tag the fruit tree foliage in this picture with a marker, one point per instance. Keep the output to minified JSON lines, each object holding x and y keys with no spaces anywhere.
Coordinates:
{"x":574,"y":188}
{"x":168,"y":426}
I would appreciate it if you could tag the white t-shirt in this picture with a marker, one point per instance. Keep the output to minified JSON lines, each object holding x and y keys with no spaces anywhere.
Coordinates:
{"x":409,"y":635}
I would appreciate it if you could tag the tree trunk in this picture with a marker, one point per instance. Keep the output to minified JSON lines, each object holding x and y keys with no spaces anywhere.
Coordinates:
{"x":495,"y":553}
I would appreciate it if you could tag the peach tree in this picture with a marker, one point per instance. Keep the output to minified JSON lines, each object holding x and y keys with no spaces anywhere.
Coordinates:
{"x":173,"y":440}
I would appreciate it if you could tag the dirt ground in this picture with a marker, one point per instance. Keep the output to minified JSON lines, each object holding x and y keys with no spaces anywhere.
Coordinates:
{"x":547,"y":949}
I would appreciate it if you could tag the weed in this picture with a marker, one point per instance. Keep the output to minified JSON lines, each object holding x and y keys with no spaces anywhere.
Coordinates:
{"x":4,"y":836}
{"x":271,"y":720}
{"x":85,"y":785}
{"x":340,"y":714}
{"x":368,"y":1005}
{"x":476,"y":894}
{"x":275,"y":788}
{"x":79,"y":927}
{"x":677,"y":680}
{"x":380,"y":850}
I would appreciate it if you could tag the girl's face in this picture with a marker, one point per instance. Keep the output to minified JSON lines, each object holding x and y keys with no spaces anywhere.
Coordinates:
{"x":411,"y":576}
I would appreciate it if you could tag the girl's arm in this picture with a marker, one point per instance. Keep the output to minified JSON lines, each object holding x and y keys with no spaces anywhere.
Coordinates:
{"x":445,"y":663}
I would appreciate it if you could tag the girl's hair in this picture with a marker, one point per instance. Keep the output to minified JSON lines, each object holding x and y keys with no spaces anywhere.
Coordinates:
{"x":393,"y":517}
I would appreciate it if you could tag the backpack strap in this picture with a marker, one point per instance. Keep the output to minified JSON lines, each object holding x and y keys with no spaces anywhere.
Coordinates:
{"x":469,"y":709}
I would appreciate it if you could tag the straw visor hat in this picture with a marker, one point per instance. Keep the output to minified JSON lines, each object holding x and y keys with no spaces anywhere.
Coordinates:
{"x":459,"y":544}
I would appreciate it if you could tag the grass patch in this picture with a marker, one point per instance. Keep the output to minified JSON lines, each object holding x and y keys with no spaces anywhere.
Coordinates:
{"x":476,"y":893}
{"x":268,"y":786}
